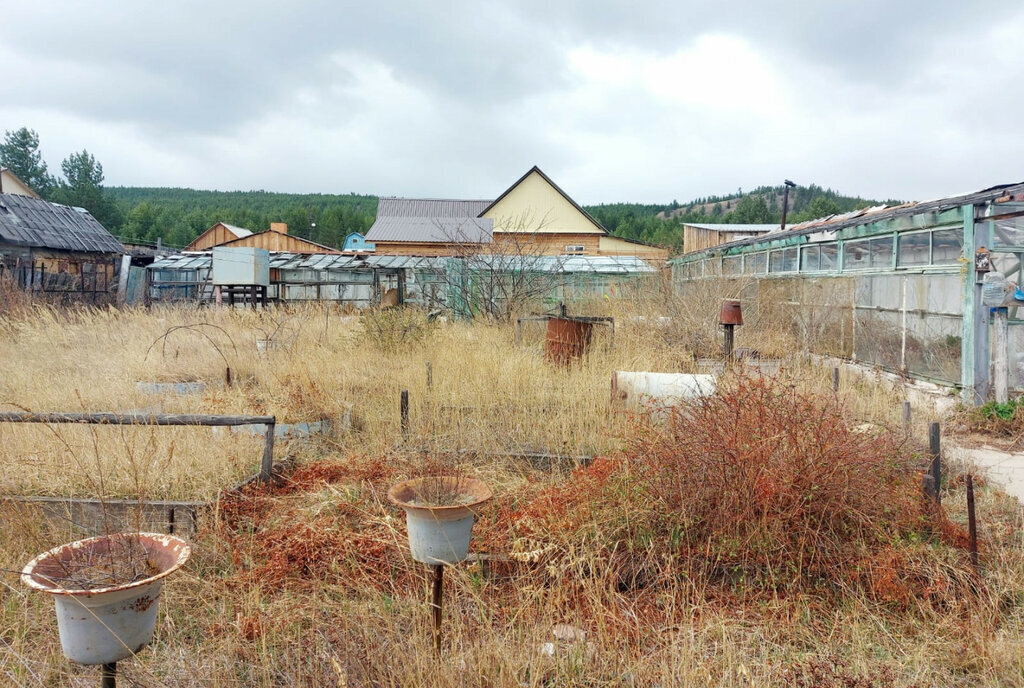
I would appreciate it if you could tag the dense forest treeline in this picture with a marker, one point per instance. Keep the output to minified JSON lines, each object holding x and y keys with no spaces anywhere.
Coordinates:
{"x":177,"y":216}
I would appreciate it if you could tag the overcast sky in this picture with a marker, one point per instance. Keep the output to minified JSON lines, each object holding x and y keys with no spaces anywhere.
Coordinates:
{"x":616,"y":101}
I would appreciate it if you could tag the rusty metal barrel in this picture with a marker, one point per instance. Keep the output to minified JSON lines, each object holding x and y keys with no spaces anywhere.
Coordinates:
{"x":567,"y":339}
{"x":730,"y":313}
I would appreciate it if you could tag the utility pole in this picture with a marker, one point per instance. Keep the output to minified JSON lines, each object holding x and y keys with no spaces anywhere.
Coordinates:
{"x":785,"y":203}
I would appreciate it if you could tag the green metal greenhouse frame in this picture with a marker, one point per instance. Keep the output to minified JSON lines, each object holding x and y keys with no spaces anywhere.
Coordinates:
{"x":906,"y":274}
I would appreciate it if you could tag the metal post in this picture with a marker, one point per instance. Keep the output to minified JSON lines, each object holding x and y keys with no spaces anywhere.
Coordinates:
{"x":1000,"y":367}
{"x":727,"y":344}
{"x":267,"y":466}
{"x":835,"y":379}
{"x":404,"y":412}
{"x":934,"y":450}
{"x":436,"y":594}
{"x":108,"y":675}
{"x":972,"y":526}
{"x":906,"y":414}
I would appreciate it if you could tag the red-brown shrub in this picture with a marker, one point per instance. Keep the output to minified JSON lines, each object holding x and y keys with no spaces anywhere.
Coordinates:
{"x":759,"y":486}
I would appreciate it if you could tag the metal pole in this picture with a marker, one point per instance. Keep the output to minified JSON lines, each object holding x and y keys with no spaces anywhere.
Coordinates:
{"x":934,"y":450}
{"x":972,"y":526}
{"x":835,"y":379}
{"x":906,"y":414}
{"x":785,"y":207}
{"x":436,"y":594}
{"x":108,"y":675}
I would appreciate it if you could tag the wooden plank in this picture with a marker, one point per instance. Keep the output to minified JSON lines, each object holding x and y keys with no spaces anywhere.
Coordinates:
{"x":134,"y":418}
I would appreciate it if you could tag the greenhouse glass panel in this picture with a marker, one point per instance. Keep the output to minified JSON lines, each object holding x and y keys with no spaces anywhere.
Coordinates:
{"x":881,"y":252}
{"x":830,"y":256}
{"x":732,"y":265}
{"x":947,"y":246}
{"x":810,"y":259}
{"x":913,"y":249}
{"x":855,"y":255}
{"x":1008,"y":232}
{"x":756,"y":263}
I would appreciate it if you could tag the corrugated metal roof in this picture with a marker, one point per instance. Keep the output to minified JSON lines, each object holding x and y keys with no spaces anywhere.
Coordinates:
{"x":605,"y":265}
{"x":431,"y":220}
{"x":460,"y":230}
{"x":834,"y":223}
{"x":429,"y":207}
{"x":26,"y":221}
{"x":745,"y":229}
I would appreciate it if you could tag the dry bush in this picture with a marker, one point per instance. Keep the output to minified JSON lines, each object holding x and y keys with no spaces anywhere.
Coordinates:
{"x":759,"y":487}
{"x":396,"y":329}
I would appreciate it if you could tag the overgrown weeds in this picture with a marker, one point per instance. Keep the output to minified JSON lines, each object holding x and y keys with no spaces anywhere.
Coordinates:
{"x":759,"y":489}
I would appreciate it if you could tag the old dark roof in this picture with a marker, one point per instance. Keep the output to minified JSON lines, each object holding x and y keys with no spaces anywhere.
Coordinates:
{"x":431,"y":221}
{"x":33,"y":222}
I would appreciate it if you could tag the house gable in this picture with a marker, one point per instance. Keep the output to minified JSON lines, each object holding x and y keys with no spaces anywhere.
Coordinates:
{"x":216,"y":235}
{"x":537,"y":204}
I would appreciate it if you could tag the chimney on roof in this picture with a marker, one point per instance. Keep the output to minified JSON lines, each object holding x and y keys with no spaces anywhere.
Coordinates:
{"x":279,"y":227}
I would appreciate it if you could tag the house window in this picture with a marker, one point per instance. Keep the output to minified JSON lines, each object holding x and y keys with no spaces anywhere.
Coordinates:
{"x":575,"y":248}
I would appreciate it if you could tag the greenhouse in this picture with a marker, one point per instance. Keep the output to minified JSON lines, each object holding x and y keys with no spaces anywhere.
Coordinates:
{"x":361,"y":280}
{"x":895,"y":287}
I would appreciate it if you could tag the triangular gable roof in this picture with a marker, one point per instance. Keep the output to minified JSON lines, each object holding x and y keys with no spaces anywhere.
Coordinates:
{"x":296,"y":244}
{"x":6,"y":171}
{"x":198,"y":242}
{"x":551,"y":183}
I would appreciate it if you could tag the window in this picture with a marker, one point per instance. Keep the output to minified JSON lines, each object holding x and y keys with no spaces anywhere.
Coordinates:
{"x":783,"y":260}
{"x":755,"y":263}
{"x":830,"y":256}
{"x":575,"y":248}
{"x":913,"y":249}
{"x":732,"y":265}
{"x":867,"y":253}
{"x":810,"y":258}
{"x":947,"y":246}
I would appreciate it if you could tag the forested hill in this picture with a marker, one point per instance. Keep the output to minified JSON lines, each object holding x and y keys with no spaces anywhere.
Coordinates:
{"x":662,"y":224}
{"x":179,"y":215}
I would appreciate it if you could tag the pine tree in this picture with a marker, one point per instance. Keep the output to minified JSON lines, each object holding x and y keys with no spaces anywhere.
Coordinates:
{"x":20,"y":153}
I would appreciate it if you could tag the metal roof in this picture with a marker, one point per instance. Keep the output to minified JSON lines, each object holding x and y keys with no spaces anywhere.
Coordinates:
{"x":455,"y":230}
{"x":237,"y":231}
{"x":430,"y":220}
{"x":743,"y":229}
{"x":605,"y":265}
{"x":390,"y":206}
{"x":26,"y":221}
{"x":834,"y":223}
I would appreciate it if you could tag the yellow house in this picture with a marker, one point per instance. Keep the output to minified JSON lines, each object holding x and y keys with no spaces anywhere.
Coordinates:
{"x":11,"y":184}
{"x":534,"y":213}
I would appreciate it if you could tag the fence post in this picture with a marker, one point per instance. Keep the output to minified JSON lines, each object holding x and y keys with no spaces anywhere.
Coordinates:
{"x":267,"y":466}
{"x":404,"y":412}
{"x":835,"y":379}
{"x":935,"y":469}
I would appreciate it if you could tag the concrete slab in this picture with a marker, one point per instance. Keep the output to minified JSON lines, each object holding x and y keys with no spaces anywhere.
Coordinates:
{"x":1003,"y":467}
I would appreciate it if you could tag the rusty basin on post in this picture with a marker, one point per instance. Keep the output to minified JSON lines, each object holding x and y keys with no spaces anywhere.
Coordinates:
{"x":567,"y":339}
{"x":731,"y":314}
{"x":106,"y":624}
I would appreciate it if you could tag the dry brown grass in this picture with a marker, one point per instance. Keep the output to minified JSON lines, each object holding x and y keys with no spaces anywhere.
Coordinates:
{"x":310,"y":583}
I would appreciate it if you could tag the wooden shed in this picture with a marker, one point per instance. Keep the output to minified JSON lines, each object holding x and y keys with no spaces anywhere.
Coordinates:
{"x":57,"y":250}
